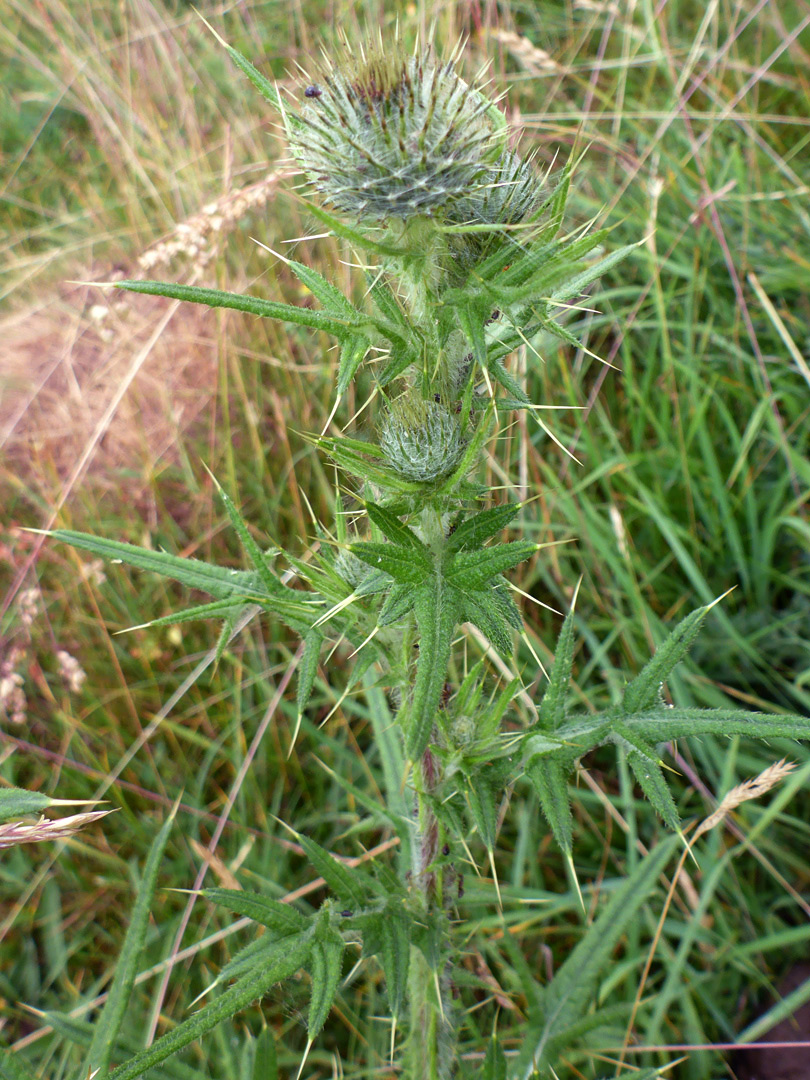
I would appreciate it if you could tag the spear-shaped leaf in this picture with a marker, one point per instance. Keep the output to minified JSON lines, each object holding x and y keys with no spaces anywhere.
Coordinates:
{"x":476,"y":530}
{"x":325,"y":966}
{"x":252,"y":305}
{"x":436,"y":606}
{"x":282,"y":919}
{"x":644,"y":690}
{"x":278,"y":963}
{"x":552,"y":707}
{"x":472,"y":569}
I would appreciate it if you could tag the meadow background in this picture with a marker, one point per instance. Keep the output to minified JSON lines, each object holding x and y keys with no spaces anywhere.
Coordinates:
{"x":131,"y":148}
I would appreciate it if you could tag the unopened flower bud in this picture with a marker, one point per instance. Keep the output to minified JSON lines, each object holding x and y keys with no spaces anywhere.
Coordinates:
{"x":422,"y":440}
{"x":393,"y":135}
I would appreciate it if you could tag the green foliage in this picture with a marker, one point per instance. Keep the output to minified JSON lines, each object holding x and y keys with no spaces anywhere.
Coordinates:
{"x":113,"y":1015}
{"x":471,"y":266}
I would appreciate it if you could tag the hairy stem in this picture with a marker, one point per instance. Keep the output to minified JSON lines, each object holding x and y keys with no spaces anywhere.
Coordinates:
{"x":431,"y":1044}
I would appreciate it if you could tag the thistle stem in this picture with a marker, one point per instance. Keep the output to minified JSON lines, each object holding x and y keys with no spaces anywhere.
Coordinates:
{"x":431,"y":1043}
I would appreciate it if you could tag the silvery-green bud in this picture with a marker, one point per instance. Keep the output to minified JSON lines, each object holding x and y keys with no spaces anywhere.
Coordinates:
{"x":394,"y":135}
{"x":422,"y":440}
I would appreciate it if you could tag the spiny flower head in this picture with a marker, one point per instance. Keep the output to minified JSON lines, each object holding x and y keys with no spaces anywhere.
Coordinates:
{"x":422,"y":440}
{"x":395,"y":135}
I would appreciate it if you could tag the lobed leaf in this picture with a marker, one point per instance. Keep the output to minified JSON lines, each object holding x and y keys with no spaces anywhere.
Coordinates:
{"x":644,"y":690}
{"x":278,"y":963}
{"x":436,"y":606}
{"x":476,"y":530}
{"x":252,"y":305}
{"x":472,"y":569}
{"x":282,"y":919}
{"x":405,"y":565}
{"x":326,"y":963}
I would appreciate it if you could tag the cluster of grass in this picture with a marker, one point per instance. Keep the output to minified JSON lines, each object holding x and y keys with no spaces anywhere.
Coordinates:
{"x":691,"y":478}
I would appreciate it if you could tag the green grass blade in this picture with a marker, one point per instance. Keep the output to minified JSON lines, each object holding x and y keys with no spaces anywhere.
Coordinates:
{"x":107,"y":1026}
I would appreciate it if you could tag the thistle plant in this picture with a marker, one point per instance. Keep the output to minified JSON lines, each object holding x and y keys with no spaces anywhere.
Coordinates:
{"x":413,"y":167}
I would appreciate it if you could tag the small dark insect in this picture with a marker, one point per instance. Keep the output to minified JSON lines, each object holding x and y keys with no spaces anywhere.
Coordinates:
{"x":347,"y":914}
{"x":460,"y":886}
{"x":446,"y":849}
{"x":313,"y":91}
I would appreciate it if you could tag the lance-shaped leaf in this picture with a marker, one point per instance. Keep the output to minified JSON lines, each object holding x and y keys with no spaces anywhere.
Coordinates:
{"x":394,"y":529}
{"x":282,"y":919}
{"x":252,"y":549}
{"x":569,"y":995}
{"x":308,"y":668}
{"x":576,"y":284}
{"x":395,"y":951}
{"x":405,"y":565}
{"x":494,"y":1062}
{"x":472,"y":569}
{"x":265,"y":1059}
{"x":476,"y":530}
{"x":482,"y":610}
{"x":398,"y":603}
{"x":483,"y":810}
{"x":352,"y":353}
{"x":552,"y":707}
{"x":17,"y":802}
{"x":278,"y":963}
{"x":347,"y":232}
{"x":328,"y":294}
{"x":662,"y":724}
{"x":252,"y":305}
{"x":469,"y":458}
{"x":325,"y":966}
{"x":111,"y":1019}
{"x":350,"y":884}
{"x":644,"y":690}
{"x":436,"y":606}
{"x":651,"y":779}
{"x":351,"y":455}
{"x":550,"y":780}
{"x":220,"y":581}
